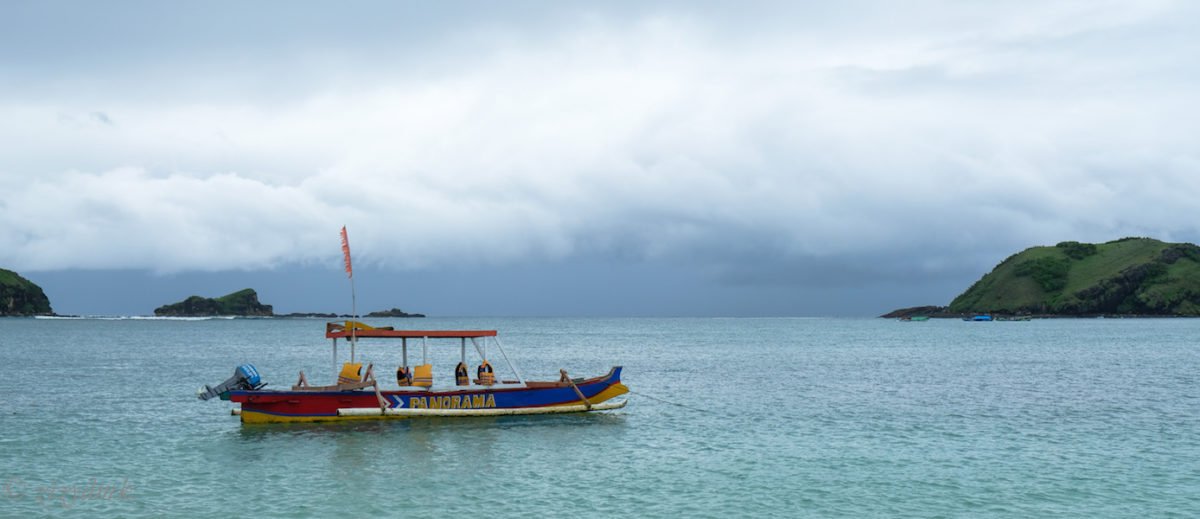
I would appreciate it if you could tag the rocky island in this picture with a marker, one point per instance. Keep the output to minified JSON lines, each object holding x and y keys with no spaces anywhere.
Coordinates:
{"x":21,"y":297}
{"x":395,"y":312}
{"x":1125,"y":277}
{"x":243,"y":302}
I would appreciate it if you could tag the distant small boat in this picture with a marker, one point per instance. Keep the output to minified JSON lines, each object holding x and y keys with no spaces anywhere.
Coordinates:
{"x":915,"y":318}
{"x":979,"y":318}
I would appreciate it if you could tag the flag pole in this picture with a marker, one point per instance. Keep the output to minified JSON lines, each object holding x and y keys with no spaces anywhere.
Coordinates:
{"x":353,"y":329}
{"x":353,"y":301}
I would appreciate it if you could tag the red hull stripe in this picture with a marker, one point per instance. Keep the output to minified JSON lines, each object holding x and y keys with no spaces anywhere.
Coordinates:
{"x":326,"y":403}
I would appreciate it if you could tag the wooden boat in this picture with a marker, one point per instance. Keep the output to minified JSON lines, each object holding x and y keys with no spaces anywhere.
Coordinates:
{"x":357,"y":394}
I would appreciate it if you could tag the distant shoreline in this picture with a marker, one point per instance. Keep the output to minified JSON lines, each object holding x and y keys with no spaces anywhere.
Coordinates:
{"x":938,"y":312}
{"x":145,"y":317}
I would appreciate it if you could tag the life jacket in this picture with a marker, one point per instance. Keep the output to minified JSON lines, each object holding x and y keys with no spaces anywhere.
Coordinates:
{"x":403,"y":377}
{"x":423,"y":375}
{"x":486,"y":378}
{"x":350,"y":373}
{"x":460,"y":374}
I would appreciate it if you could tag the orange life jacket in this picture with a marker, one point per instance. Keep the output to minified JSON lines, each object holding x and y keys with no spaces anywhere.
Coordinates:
{"x":460,"y":374}
{"x":486,"y":378}
{"x":350,"y":373}
{"x":423,"y":375}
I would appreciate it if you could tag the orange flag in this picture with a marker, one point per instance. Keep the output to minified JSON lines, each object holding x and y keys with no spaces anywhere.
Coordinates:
{"x":346,"y":253}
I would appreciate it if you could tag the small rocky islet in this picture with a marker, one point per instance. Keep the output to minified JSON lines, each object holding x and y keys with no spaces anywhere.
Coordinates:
{"x":245,"y":303}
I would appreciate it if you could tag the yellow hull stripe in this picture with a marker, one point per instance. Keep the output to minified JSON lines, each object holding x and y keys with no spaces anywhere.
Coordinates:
{"x":614,"y":390}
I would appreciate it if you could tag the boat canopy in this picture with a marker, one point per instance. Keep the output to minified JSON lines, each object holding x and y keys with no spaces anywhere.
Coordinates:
{"x":412,"y":334}
{"x":340,"y":331}
{"x":354,"y":330}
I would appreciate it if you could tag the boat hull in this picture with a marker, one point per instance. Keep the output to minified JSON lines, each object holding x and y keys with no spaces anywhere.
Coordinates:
{"x":261,"y":406}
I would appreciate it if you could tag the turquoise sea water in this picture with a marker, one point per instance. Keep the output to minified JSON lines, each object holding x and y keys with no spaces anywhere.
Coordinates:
{"x":763,"y":418}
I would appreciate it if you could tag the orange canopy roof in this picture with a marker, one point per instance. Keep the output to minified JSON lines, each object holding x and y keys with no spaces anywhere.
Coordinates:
{"x":412,"y":334}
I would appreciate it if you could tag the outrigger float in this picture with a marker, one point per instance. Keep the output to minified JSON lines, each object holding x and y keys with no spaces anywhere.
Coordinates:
{"x":357,"y":395}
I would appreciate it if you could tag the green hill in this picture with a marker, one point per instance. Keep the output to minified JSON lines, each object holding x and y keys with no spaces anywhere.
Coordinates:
{"x":19,"y":296}
{"x":1130,"y":276}
{"x":242,"y":302}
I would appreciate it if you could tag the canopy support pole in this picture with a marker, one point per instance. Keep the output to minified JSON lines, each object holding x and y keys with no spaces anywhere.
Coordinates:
{"x":482,"y":352}
{"x":510,"y":364}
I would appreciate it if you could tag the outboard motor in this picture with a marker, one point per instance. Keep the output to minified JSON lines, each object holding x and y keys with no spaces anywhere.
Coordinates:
{"x":244,"y":377}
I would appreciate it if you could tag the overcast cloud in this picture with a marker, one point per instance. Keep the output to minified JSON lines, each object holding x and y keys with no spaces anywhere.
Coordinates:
{"x":806,"y":144}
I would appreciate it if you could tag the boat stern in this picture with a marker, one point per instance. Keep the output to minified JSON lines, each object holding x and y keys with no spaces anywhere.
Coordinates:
{"x":612,"y":387}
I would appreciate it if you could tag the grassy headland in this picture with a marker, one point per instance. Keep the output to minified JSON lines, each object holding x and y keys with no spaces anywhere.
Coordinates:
{"x":21,"y":297}
{"x":1130,"y":276}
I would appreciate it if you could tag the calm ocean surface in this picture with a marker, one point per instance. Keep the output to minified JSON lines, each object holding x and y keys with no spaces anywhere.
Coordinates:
{"x":767,"y":418}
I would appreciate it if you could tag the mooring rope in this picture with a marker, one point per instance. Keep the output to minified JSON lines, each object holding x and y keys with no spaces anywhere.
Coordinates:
{"x":670,"y":402}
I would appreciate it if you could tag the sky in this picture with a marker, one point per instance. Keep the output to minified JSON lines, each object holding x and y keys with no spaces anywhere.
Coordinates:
{"x":583,"y":158}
